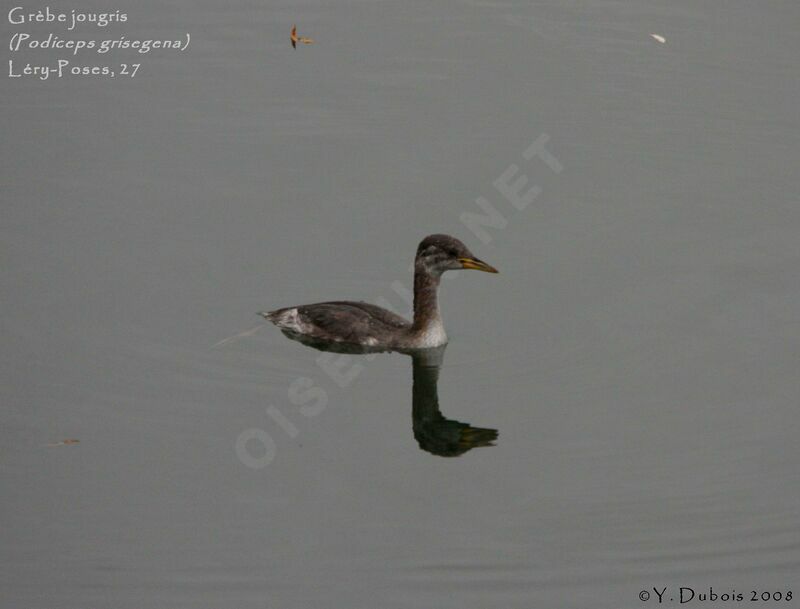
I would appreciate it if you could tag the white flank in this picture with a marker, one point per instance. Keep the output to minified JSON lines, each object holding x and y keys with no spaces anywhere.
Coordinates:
{"x":290,"y":320}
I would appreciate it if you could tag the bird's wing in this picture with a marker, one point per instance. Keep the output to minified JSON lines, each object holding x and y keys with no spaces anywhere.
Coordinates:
{"x":350,"y":320}
{"x":383,"y":315}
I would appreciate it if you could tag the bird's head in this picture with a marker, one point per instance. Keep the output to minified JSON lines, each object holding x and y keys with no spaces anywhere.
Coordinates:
{"x":440,"y":253}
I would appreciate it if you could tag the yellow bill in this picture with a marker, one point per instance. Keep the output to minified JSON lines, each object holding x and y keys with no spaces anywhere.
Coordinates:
{"x":478,"y":265}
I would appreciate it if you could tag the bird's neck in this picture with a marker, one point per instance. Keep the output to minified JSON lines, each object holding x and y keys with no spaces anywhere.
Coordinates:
{"x":427,"y":319}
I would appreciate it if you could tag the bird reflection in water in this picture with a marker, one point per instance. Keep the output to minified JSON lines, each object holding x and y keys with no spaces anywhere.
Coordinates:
{"x":434,"y":432}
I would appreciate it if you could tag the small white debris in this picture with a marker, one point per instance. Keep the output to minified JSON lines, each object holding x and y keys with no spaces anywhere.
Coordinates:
{"x":64,"y":442}
{"x":659,"y":38}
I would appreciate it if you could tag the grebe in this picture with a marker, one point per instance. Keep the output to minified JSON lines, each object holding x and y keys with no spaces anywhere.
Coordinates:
{"x":368,"y":325}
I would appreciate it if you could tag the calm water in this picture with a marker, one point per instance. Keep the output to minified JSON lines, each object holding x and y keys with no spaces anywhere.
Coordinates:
{"x":637,"y":355}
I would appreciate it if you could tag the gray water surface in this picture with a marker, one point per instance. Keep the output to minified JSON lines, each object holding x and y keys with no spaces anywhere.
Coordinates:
{"x":637,"y":354}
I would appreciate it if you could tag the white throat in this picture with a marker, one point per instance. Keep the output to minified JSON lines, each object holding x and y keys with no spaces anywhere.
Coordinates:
{"x":433,"y":334}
